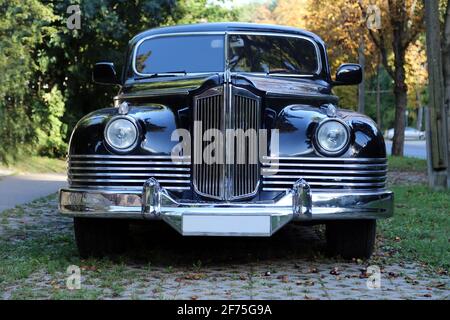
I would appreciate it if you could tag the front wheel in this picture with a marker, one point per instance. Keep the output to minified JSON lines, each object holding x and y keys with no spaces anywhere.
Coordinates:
{"x":351,"y":239}
{"x":99,"y":237}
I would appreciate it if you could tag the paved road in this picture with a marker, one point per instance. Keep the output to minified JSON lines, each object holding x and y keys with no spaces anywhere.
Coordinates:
{"x":23,"y":188}
{"x":417,"y":149}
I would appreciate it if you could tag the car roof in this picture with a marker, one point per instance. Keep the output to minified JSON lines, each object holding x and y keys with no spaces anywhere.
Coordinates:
{"x":225,"y":26}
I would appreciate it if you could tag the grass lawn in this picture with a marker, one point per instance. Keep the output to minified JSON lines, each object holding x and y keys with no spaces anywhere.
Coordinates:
{"x":407,"y":164}
{"x":420,"y":228}
{"x":36,"y":164}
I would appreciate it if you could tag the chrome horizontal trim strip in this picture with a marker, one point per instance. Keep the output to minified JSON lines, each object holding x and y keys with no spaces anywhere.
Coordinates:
{"x":131,"y":168}
{"x":268,"y":171}
{"x":101,"y":156}
{"x":344,"y":184}
{"x":168,"y":163}
{"x":154,"y":93}
{"x":177,"y":188}
{"x":328,"y":190}
{"x":127,"y":180}
{"x":337,"y":178}
{"x":107,"y":189}
{"x":326,"y":165}
{"x":116,"y":174}
{"x":327,"y":159}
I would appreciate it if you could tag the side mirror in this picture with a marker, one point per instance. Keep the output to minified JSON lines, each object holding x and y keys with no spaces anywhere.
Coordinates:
{"x":105,"y":73}
{"x":348,"y":74}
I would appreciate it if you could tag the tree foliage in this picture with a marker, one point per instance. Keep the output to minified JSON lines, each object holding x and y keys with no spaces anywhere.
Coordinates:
{"x":45,"y":67}
{"x":24,"y":26}
{"x":397,"y":42}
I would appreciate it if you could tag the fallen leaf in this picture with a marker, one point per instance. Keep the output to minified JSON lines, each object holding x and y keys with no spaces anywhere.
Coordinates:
{"x":194,"y":276}
{"x":194,"y":297}
{"x":442,"y":272}
{"x":313,"y":270}
{"x":438,"y":284}
{"x":393,"y":275}
{"x":309,"y":283}
{"x":335,"y":271}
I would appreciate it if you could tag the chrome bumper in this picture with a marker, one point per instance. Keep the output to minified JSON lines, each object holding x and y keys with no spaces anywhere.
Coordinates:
{"x":298,"y":204}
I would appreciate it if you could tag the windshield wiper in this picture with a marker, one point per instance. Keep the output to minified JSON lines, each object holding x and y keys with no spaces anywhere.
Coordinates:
{"x":162,"y":74}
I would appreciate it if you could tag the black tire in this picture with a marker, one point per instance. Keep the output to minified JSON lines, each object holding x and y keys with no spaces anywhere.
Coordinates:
{"x":100,"y":237}
{"x":351,"y":239}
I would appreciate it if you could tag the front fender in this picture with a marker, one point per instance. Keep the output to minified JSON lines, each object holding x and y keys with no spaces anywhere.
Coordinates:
{"x":156,"y":123}
{"x":297,"y":125}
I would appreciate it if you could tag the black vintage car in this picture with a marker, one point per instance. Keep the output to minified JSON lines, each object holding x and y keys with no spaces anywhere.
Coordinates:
{"x":226,"y":129}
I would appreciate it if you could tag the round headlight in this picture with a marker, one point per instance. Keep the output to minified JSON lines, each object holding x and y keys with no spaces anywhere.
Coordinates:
{"x":332,"y":137}
{"x":121,"y":134}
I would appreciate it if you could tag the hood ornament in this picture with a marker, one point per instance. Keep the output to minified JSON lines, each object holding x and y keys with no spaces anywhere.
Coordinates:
{"x":123,"y":108}
{"x":331,"y":110}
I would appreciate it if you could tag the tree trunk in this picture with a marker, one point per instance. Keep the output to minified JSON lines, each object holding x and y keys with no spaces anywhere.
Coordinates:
{"x":419,"y":118}
{"x":419,"y":110}
{"x":378,"y":95}
{"x":361,"y":87}
{"x":437,"y":118}
{"x":446,"y":66}
{"x":401,"y":100}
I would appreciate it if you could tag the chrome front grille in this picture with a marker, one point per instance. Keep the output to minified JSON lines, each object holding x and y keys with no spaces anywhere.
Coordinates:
{"x":226,"y":108}
{"x":324,"y":174}
{"x":128,"y":172}
{"x":209,"y":113}
{"x":244,"y":175}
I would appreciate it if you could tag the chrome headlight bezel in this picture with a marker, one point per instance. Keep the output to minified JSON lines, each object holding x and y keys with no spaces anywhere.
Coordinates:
{"x":325,"y":151}
{"x":110,"y":144}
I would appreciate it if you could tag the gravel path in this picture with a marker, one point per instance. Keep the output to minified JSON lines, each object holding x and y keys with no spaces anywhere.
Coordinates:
{"x":36,"y":247}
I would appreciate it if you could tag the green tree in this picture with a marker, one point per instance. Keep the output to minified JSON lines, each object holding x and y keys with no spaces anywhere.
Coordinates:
{"x":24,"y":26}
{"x":45,"y":67}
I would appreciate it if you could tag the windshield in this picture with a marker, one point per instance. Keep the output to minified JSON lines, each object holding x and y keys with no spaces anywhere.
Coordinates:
{"x":246,"y":53}
{"x":272,"y":54}
{"x":193,"y":53}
